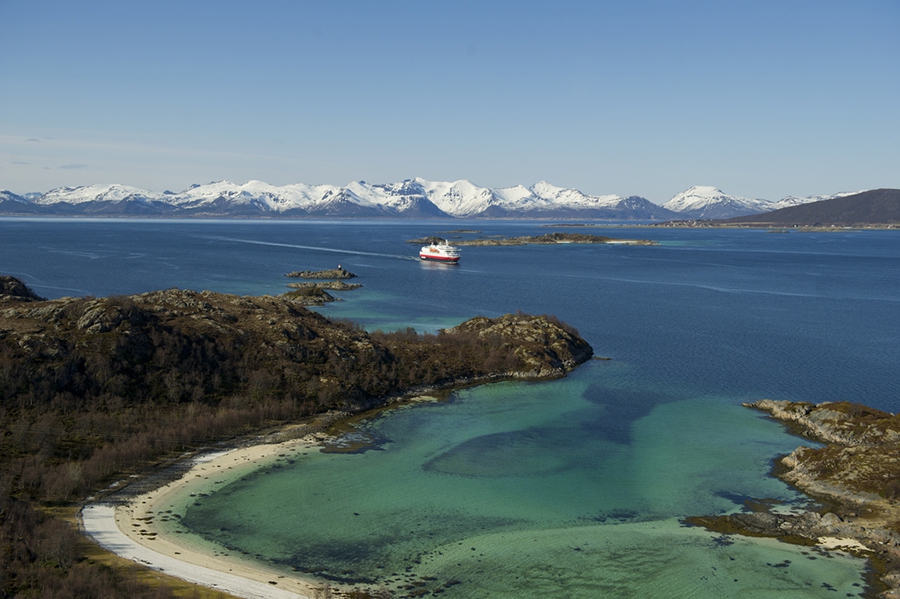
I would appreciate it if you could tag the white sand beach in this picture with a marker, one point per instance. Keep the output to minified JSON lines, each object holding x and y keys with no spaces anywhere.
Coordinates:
{"x":130,"y":530}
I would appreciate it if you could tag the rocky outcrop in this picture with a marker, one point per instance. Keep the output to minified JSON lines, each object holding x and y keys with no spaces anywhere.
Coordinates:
{"x":310,"y":295}
{"x":334,"y":273}
{"x":544,"y":346}
{"x":856,"y":474}
{"x":332,"y":285}
{"x":312,"y":292}
{"x":13,"y":289}
{"x":861,"y":460}
{"x":804,"y":528}
{"x":842,"y":423}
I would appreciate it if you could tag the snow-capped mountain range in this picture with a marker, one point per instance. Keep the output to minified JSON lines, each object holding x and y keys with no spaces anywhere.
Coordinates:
{"x":415,"y":198}
{"x":703,"y":202}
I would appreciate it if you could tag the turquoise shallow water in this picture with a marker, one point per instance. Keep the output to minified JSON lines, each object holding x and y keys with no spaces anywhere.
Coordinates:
{"x":572,"y":488}
{"x":516,"y":489}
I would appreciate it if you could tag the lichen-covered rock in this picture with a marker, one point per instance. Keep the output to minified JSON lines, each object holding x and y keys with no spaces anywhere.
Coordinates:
{"x":833,"y":422}
{"x":12,"y":288}
{"x":545,"y":346}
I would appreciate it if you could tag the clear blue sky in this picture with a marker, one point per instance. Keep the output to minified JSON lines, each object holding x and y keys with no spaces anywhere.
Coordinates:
{"x":761,"y":98}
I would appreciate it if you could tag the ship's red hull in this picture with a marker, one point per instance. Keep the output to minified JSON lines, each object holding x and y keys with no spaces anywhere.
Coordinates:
{"x":435,"y":258}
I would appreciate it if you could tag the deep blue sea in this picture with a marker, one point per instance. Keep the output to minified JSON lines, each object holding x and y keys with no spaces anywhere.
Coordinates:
{"x":572,"y":488}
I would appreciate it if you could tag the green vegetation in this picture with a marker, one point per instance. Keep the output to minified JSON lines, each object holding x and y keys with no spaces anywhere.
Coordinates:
{"x":94,"y":388}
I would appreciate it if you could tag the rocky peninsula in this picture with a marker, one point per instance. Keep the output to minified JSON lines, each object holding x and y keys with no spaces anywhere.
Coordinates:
{"x":99,"y":390}
{"x":546,"y":239}
{"x":855,"y":477}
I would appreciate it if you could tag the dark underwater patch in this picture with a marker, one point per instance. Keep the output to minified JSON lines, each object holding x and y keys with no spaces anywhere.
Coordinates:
{"x":519,"y":453}
{"x":621,"y":408}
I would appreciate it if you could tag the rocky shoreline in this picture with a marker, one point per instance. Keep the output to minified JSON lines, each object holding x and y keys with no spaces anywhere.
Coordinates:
{"x":855,"y":477}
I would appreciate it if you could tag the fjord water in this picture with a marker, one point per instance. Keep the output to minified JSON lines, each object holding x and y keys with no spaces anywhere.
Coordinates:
{"x":567,"y":488}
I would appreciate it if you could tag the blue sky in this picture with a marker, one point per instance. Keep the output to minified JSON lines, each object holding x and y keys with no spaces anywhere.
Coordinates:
{"x":759,"y":98}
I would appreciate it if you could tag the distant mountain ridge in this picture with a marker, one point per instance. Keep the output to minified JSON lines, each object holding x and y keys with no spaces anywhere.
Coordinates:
{"x":415,"y":198}
{"x":876,"y":206}
{"x":703,"y":202}
{"x":411,"y":198}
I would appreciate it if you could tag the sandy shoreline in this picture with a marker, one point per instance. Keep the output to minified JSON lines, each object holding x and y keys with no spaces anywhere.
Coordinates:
{"x":130,"y":530}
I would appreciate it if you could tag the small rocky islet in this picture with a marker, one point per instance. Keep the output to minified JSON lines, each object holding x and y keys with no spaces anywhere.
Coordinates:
{"x":333,"y":285}
{"x":332,"y":273}
{"x":313,"y":292}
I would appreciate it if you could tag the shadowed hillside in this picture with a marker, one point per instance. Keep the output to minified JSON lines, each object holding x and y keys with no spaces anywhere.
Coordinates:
{"x":875,"y":207}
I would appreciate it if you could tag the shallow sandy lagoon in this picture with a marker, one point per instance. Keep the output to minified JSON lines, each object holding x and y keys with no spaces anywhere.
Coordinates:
{"x":659,"y":557}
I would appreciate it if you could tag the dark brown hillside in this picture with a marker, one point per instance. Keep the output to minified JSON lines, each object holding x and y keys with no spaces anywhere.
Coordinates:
{"x":91,"y":388}
{"x":875,"y":207}
{"x":12,"y":288}
{"x":179,"y":347}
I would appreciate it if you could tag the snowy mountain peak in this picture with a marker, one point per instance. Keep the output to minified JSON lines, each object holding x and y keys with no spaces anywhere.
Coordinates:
{"x":94,"y":193}
{"x":695,"y":196}
{"x":544,"y":189}
{"x":708,"y":202}
{"x":8,"y":196}
{"x":708,"y":190}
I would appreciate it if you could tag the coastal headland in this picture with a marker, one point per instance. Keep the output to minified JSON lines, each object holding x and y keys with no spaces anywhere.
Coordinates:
{"x":854,"y":476}
{"x":98,"y":392}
